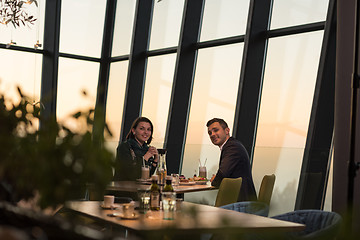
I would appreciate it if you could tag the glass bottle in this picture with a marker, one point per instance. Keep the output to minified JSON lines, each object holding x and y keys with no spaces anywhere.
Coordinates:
{"x":168,"y":187}
{"x":161,"y":169}
{"x":154,"y":194}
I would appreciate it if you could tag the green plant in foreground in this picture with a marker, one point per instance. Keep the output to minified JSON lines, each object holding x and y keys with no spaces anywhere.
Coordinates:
{"x":53,"y":161}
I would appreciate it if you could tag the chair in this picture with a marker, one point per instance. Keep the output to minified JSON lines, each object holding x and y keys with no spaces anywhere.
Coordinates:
{"x":266,"y":188}
{"x":253,"y":207}
{"x":319,"y":224}
{"x":228,"y":191}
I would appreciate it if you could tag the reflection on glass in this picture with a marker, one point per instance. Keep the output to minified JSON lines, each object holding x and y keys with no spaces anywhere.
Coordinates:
{"x":166,"y":24}
{"x":214,"y":95}
{"x":328,"y":194}
{"x":115,"y":101}
{"x":25,"y":36}
{"x":75,"y":77}
{"x":288,"y":89}
{"x":82,"y":23}
{"x":124,"y":21}
{"x":288,"y":13}
{"x":224,"y":18}
{"x":158,"y":85}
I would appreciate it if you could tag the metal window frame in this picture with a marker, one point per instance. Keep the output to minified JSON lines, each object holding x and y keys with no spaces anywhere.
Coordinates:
{"x":137,"y":65}
{"x":318,"y":148}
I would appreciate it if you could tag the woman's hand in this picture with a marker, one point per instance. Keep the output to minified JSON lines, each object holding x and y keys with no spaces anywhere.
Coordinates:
{"x":152,"y":152}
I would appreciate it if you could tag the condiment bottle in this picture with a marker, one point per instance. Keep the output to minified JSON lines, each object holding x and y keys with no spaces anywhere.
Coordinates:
{"x":168,"y":187}
{"x":154,"y":194}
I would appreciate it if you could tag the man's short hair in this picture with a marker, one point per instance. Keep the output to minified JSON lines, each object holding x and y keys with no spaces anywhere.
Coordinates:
{"x":222,"y":123}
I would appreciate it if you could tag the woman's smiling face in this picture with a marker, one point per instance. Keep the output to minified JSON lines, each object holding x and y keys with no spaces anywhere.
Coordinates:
{"x":142,"y":132}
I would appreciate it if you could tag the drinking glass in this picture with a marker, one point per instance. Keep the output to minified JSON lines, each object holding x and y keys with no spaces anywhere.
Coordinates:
{"x":175,"y":179}
{"x":145,"y":172}
{"x":144,"y":197}
{"x":169,"y":205}
{"x":202,"y":171}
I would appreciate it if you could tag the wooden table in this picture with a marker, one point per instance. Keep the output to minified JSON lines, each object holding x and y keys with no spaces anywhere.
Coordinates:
{"x":192,"y":219}
{"x":131,"y":186}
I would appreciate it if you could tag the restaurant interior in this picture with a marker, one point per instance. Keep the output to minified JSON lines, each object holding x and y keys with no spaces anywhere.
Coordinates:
{"x":283,"y":74}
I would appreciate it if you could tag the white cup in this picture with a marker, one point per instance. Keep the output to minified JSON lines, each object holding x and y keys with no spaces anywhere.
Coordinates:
{"x":109,"y":201}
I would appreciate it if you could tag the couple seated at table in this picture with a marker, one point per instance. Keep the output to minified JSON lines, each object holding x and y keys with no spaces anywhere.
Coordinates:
{"x":135,"y":152}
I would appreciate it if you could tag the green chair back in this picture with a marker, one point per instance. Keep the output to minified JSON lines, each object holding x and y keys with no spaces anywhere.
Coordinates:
{"x":266,"y":188}
{"x":228,"y":191}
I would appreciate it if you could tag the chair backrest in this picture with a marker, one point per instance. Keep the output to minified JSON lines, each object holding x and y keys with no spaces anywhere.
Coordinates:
{"x":253,"y":207}
{"x":266,"y":188}
{"x":228,"y":191}
{"x":319,"y":224}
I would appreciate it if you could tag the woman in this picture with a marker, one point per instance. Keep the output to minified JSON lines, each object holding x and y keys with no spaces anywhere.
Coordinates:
{"x":135,"y":152}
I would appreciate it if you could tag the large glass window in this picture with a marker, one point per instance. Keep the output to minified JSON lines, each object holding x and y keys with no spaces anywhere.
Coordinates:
{"x":26,"y":36}
{"x":214,"y":95}
{"x":82,"y":23}
{"x":124,"y":21}
{"x":292,"y":12}
{"x":75,"y":77}
{"x":224,"y":18}
{"x":165,"y":29}
{"x":159,"y":78}
{"x":115,"y":101}
{"x":288,"y":89}
{"x":20,"y":69}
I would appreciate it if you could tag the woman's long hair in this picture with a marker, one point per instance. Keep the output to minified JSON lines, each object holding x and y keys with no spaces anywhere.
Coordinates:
{"x":134,"y":125}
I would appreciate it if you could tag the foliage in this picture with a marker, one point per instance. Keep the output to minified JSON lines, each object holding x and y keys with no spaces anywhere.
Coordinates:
{"x":14,"y":11}
{"x":54,"y":161}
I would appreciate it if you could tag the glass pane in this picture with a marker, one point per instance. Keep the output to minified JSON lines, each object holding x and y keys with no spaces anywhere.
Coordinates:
{"x":82,"y":23}
{"x":26,"y":36}
{"x":124,"y":21}
{"x":214,"y":95}
{"x":166,"y":24}
{"x":288,"y":89}
{"x":115,"y":101}
{"x":224,"y":18}
{"x":159,"y":79}
{"x":288,"y":13}
{"x":74,"y":77}
{"x":28,"y":78}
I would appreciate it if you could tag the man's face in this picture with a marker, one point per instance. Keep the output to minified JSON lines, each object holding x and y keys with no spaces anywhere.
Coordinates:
{"x":218,"y":135}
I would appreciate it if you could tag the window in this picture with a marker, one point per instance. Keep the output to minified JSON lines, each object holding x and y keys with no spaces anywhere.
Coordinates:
{"x":286,"y":101}
{"x":158,"y":85}
{"x":82,"y":23}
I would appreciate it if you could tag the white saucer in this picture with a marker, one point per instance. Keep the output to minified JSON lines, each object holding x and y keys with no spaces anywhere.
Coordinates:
{"x":115,"y":206}
{"x":134,"y":216}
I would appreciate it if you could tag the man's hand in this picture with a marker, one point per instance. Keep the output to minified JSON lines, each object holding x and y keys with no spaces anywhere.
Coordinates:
{"x":212,"y":178}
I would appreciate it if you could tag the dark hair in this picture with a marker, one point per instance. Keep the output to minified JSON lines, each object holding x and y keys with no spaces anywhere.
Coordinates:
{"x":134,"y":125}
{"x":222,"y":123}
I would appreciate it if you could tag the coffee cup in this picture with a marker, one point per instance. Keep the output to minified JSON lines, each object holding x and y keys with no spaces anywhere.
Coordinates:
{"x":109,"y":201}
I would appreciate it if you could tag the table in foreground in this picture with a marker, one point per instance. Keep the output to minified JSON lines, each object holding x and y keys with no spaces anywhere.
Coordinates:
{"x":192,"y":219}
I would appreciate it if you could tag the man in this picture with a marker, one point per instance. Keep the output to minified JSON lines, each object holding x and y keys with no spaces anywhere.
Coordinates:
{"x":234,"y":159}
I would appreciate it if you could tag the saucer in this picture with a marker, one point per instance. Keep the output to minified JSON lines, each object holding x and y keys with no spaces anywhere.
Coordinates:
{"x":134,"y":216}
{"x":114,"y":206}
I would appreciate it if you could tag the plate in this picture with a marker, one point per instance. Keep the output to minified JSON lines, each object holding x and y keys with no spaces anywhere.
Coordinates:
{"x":187,"y":183}
{"x":201,"y":182}
{"x":144,"y":181}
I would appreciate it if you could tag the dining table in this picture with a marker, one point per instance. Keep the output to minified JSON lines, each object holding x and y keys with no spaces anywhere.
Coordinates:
{"x":190,"y":220}
{"x":134,"y":186}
